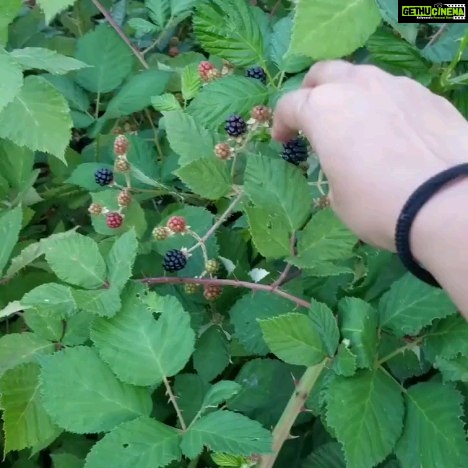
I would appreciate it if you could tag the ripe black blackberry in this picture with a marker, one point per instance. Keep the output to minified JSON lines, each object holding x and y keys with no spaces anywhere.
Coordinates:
{"x":295,"y":151}
{"x":235,"y":126}
{"x":174,"y":260}
{"x":103,"y":176}
{"x":256,"y":72}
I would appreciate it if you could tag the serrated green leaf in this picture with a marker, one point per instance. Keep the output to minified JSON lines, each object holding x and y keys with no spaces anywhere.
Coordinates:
{"x":410,"y":305}
{"x":278,"y":187}
{"x":44,"y":115}
{"x":219,"y":392}
{"x":10,"y":226}
{"x":325,"y":238}
{"x":190,"y":81}
{"x":121,"y":258}
{"x":447,"y":44}
{"x":269,"y":231}
{"x":328,"y":455}
{"x":100,"y":401}
{"x":453,"y":369}
{"x":294,"y":339}
{"x":52,"y":8}
{"x":230,"y":29}
{"x":136,"y":94}
{"x":110,"y":58}
{"x":159,"y":11}
{"x":8,"y":11}
{"x":222,"y":98}
{"x":102,"y":302}
{"x":165,"y":103}
{"x":211,"y":354}
{"x":433,"y":434}
{"x":50,"y":300}
{"x":16,"y":165}
{"x":345,"y":362}
{"x":25,"y":421}
{"x":207,"y":177}
{"x":366,"y":414}
{"x":325,"y":323}
{"x":139,"y":349}
{"x":144,"y":440}
{"x":141,"y":26}
{"x":21,"y":348}
{"x":188,"y":138}
{"x":84,"y":266}
{"x":190,"y":389}
{"x":76,"y":96}
{"x":66,"y":460}
{"x":12,"y":78}
{"x":38,"y":58}
{"x":328,"y":30}
{"x":224,"y":459}
{"x":389,"y":11}
{"x":245,"y":315}
{"x":240,"y":435}
{"x":11,"y":308}
{"x":358,"y":324}
{"x":447,"y":338}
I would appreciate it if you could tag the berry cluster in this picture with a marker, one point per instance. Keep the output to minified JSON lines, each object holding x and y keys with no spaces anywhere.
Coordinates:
{"x":208,"y":72}
{"x":174,"y":260}
{"x":235,"y":126}
{"x":103,"y":176}
{"x":257,"y":73}
{"x":295,"y":151}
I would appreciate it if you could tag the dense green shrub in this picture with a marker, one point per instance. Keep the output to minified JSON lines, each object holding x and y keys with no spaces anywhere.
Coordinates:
{"x":174,"y":289}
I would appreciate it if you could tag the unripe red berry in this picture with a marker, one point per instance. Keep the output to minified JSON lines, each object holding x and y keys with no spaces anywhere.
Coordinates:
{"x":261,"y":114}
{"x":114,"y":220}
{"x":213,"y":75}
{"x":203,"y":68}
{"x":223,"y":151}
{"x":177,"y":224}
{"x":121,"y":145}
{"x":212,"y":266}
{"x":121,"y":164}
{"x":160,"y":233}
{"x":95,"y":209}
{"x":124,"y":198}
{"x":211,"y":292}
{"x":174,"y":51}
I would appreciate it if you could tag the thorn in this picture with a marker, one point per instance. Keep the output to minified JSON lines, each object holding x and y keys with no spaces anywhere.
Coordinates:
{"x":290,"y":437}
{"x":295,"y":381}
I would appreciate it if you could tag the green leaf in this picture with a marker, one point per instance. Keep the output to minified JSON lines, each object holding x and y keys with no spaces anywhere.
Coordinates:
{"x":101,"y":302}
{"x":433,"y":434}
{"x":16,"y":165}
{"x":240,"y":435}
{"x":50,"y":300}
{"x":109,"y":56}
{"x":446,"y":46}
{"x":245,"y":315}
{"x":21,"y":348}
{"x":230,"y":29}
{"x":139,"y":349}
{"x":325,"y":238}
{"x":221,"y":391}
{"x":327,"y":31}
{"x":278,"y":187}
{"x":294,"y":339}
{"x":12,"y":78}
{"x":121,"y":258}
{"x":366,"y":414}
{"x":358,"y":323}
{"x":188,"y":138}
{"x":100,"y":401}
{"x":83,"y":266}
{"x":269,"y":231}
{"x":165,"y":103}
{"x":224,"y":459}
{"x":44,"y":115}
{"x":52,"y":8}
{"x":447,"y":338}
{"x":325,"y":323}
{"x":411,"y":304}
{"x":141,"y":442}
{"x":25,"y":421}
{"x":76,"y":96}
{"x":141,"y":26}
{"x":211,"y":354}
{"x":38,"y":58}
{"x":389,"y":11}
{"x":328,"y":455}
{"x":66,"y":460}
{"x":190,"y":390}
{"x":159,"y":11}
{"x":345,"y":362}
{"x":136,"y":94}
{"x":8,"y":11}
{"x":453,"y":369}
{"x":190,"y":81}
{"x":222,"y":98}
{"x":208,"y":178}
{"x":10,"y":226}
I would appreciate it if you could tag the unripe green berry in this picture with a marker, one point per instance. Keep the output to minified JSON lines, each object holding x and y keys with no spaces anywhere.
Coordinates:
{"x":190,"y":288}
{"x":161,"y":233}
{"x":212,"y":266}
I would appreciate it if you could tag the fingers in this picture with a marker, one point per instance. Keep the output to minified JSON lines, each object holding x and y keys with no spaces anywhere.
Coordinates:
{"x":330,"y":71}
{"x":292,"y":114}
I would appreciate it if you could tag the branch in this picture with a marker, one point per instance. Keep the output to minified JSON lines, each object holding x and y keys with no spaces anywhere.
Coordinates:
{"x":295,"y":405}
{"x":119,"y":31}
{"x":436,"y":36}
{"x":227,"y":282}
{"x":173,"y":400}
{"x":288,"y":267}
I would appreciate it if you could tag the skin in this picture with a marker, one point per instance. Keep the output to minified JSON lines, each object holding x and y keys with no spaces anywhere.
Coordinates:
{"x":378,"y":137}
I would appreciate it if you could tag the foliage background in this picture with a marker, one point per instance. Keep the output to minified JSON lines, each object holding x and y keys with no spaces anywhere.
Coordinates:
{"x":104,"y":358}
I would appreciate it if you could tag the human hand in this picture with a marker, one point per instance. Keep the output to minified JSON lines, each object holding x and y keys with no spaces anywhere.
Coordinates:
{"x":378,"y":137}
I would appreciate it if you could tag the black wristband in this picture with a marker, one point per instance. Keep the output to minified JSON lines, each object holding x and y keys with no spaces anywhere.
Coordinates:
{"x":408,"y":214}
